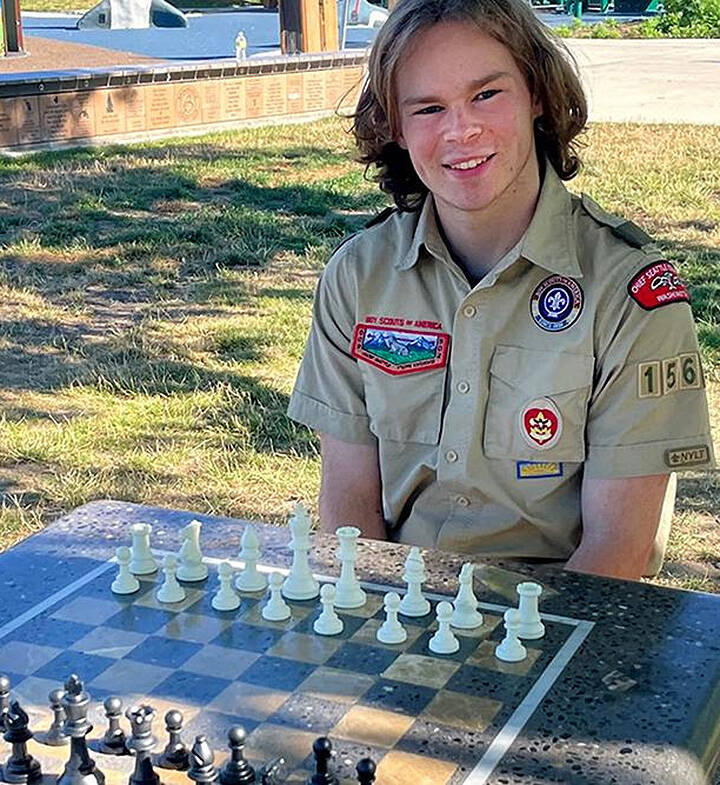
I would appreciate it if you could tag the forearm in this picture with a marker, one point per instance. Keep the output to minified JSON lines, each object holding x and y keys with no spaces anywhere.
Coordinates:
{"x":351,"y":507}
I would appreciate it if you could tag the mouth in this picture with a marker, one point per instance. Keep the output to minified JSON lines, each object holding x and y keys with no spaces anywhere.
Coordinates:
{"x":470,"y":163}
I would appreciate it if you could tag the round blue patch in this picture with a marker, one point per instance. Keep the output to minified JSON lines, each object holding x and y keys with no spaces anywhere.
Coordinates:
{"x":556,"y":303}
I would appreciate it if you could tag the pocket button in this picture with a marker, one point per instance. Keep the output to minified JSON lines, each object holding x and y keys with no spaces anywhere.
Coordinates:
{"x":463,"y":387}
{"x":451,"y":456}
{"x":463,"y":501}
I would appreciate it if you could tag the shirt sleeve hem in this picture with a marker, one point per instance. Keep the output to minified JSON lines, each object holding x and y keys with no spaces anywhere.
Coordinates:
{"x":638,"y":460}
{"x":320,"y":417}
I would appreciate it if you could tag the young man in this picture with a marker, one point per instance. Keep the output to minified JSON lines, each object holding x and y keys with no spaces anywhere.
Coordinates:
{"x":497,"y":367}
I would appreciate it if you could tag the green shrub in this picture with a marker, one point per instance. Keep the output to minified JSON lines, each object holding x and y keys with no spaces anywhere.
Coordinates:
{"x":690,"y":19}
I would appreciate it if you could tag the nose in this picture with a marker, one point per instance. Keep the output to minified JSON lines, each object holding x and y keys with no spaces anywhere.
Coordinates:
{"x":461,"y":125}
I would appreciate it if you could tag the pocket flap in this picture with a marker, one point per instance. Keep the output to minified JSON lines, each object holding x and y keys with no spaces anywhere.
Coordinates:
{"x":512,"y":364}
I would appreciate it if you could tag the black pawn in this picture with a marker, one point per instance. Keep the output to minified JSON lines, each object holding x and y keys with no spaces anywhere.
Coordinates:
{"x":21,"y":767}
{"x":237,"y":771}
{"x":202,"y":762}
{"x":54,"y":736}
{"x":4,"y":699}
{"x":175,"y":755}
{"x":365,"y":771}
{"x":322,"y":749}
{"x":113,"y":742}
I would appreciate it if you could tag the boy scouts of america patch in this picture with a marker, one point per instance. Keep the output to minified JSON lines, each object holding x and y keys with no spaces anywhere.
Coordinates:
{"x":556,"y":303}
{"x":399,"y":352}
{"x":540,"y":424}
{"x":656,"y":285}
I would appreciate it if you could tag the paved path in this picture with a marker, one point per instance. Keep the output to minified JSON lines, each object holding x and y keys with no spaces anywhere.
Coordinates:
{"x":655,"y":81}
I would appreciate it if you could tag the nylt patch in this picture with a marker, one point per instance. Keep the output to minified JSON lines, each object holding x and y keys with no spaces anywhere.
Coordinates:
{"x":656,"y":285}
{"x":399,"y":352}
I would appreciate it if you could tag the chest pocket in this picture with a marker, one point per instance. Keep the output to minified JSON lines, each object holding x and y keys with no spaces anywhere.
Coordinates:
{"x":405,"y":408}
{"x":520,"y":376}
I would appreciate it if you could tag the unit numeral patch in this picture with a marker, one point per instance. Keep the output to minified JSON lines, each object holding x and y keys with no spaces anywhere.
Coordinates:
{"x":663,"y":377}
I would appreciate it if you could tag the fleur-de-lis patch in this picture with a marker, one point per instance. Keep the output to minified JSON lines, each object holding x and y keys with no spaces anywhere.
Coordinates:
{"x":556,"y":303}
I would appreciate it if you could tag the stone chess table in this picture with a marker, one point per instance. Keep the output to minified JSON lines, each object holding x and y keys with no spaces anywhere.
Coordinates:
{"x":624,"y":688}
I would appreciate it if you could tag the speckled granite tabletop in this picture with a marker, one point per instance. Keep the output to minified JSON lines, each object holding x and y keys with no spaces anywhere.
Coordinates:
{"x":637,"y":704}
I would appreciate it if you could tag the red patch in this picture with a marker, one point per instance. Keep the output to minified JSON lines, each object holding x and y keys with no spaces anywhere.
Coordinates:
{"x":541,"y":423}
{"x":656,"y":285}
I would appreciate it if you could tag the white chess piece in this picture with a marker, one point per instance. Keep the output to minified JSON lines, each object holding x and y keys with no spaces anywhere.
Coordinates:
{"x":225,"y":598}
{"x":171,"y":590}
{"x":413,"y":603}
{"x":444,"y":642}
{"x":530,"y":627}
{"x":510,"y":649}
{"x":328,"y":622}
{"x":465,"y":614}
{"x":348,"y":593}
{"x":125,"y":582}
{"x":191,"y":567}
{"x":142,"y":562}
{"x":250,"y":579}
{"x":300,"y":584}
{"x":276,"y":609}
{"x":391,"y":631}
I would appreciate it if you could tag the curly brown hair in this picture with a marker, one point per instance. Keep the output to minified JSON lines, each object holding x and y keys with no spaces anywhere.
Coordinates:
{"x":548,"y":68}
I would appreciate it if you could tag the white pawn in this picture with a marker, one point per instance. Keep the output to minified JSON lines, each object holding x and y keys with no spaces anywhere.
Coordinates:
{"x":250,"y":579}
{"x":142,"y":562}
{"x":413,"y":603}
{"x":391,"y":631}
{"x":276,"y":609}
{"x":328,"y":622}
{"x":465,"y":614}
{"x":171,"y":590}
{"x":348,"y":593}
{"x":510,"y":649}
{"x":225,"y":598}
{"x":191,"y":567}
{"x":125,"y":582}
{"x":530,"y":628}
{"x":444,"y":642}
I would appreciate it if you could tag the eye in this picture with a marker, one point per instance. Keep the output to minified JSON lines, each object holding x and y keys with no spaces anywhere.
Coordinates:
{"x":429,"y":109}
{"x":485,"y":95}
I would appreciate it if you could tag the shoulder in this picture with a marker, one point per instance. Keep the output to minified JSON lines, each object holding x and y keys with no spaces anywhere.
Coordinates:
{"x":627,"y":258}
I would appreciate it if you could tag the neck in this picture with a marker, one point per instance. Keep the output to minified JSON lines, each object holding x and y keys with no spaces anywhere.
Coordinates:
{"x":478,"y":239}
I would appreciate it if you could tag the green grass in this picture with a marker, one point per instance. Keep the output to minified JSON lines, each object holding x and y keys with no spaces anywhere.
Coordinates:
{"x":154,"y":303}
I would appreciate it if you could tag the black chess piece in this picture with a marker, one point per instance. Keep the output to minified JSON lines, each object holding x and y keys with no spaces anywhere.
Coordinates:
{"x":20,"y":767}
{"x":273,"y":772}
{"x":366,"y":771}
{"x":54,"y":736}
{"x":322,"y":749}
{"x":141,"y":742}
{"x":4,"y":699}
{"x":113,"y":741}
{"x":80,"y":768}
{"x":202,"y":762}
{"x":237,"y":771}
{"x":175,"y":755}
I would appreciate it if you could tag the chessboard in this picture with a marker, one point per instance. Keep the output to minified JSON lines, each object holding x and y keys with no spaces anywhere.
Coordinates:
{"x":423,"y":718}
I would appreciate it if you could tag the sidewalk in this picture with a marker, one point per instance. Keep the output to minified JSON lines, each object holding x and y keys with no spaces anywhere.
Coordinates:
{"x":650,"y":81}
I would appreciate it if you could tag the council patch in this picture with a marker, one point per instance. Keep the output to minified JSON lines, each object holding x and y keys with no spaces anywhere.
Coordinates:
{"x":399,"y":352}
{"x":556,"y":303}
{"x":656,"y":285}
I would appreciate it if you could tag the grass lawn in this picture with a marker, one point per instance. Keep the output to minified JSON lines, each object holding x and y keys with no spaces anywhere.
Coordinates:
{"x":154,"y":303}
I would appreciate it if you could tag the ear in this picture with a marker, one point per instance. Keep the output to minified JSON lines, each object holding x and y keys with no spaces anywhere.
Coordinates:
{"x":400,"y":141}
{"x":537,"y":108}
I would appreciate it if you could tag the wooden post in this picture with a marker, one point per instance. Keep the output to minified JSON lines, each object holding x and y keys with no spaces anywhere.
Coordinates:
{"x":12,"y":27}
{"x":308,"y":26}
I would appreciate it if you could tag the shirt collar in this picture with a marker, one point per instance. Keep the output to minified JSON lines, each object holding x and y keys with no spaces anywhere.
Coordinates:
{"x":548,"y":242}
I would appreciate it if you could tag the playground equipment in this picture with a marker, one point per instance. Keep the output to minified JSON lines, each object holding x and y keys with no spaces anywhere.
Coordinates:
{"x":11,"y":25}
{"x":131,"y":15}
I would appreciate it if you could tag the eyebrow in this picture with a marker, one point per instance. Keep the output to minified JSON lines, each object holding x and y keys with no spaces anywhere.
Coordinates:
{"x":476,"y":84}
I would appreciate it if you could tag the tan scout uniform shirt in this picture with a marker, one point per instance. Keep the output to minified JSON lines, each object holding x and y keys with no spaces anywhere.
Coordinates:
{"x":489,"y":403}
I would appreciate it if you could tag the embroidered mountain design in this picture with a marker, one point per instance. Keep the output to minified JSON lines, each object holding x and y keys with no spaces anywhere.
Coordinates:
{"x":399,"y":351}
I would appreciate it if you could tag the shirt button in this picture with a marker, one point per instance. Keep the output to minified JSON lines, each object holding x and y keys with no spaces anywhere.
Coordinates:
{"x":451,"y":456}
{"x":463,"y":501}
{"x":463,"y":387}
{"x":469,"y":311}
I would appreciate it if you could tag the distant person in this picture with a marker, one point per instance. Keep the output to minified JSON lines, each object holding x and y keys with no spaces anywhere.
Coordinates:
{"x":496,"y":367}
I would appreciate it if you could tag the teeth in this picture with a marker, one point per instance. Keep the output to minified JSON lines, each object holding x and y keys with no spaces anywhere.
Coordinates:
{"x":471,"y":164}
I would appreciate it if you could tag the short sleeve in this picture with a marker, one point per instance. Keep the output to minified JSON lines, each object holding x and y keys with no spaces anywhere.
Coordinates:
{"x":329,"y":392}
{"x":648,"y":410}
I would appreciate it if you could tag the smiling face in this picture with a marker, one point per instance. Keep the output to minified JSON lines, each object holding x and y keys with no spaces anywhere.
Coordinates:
{"x":466,"y":118}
